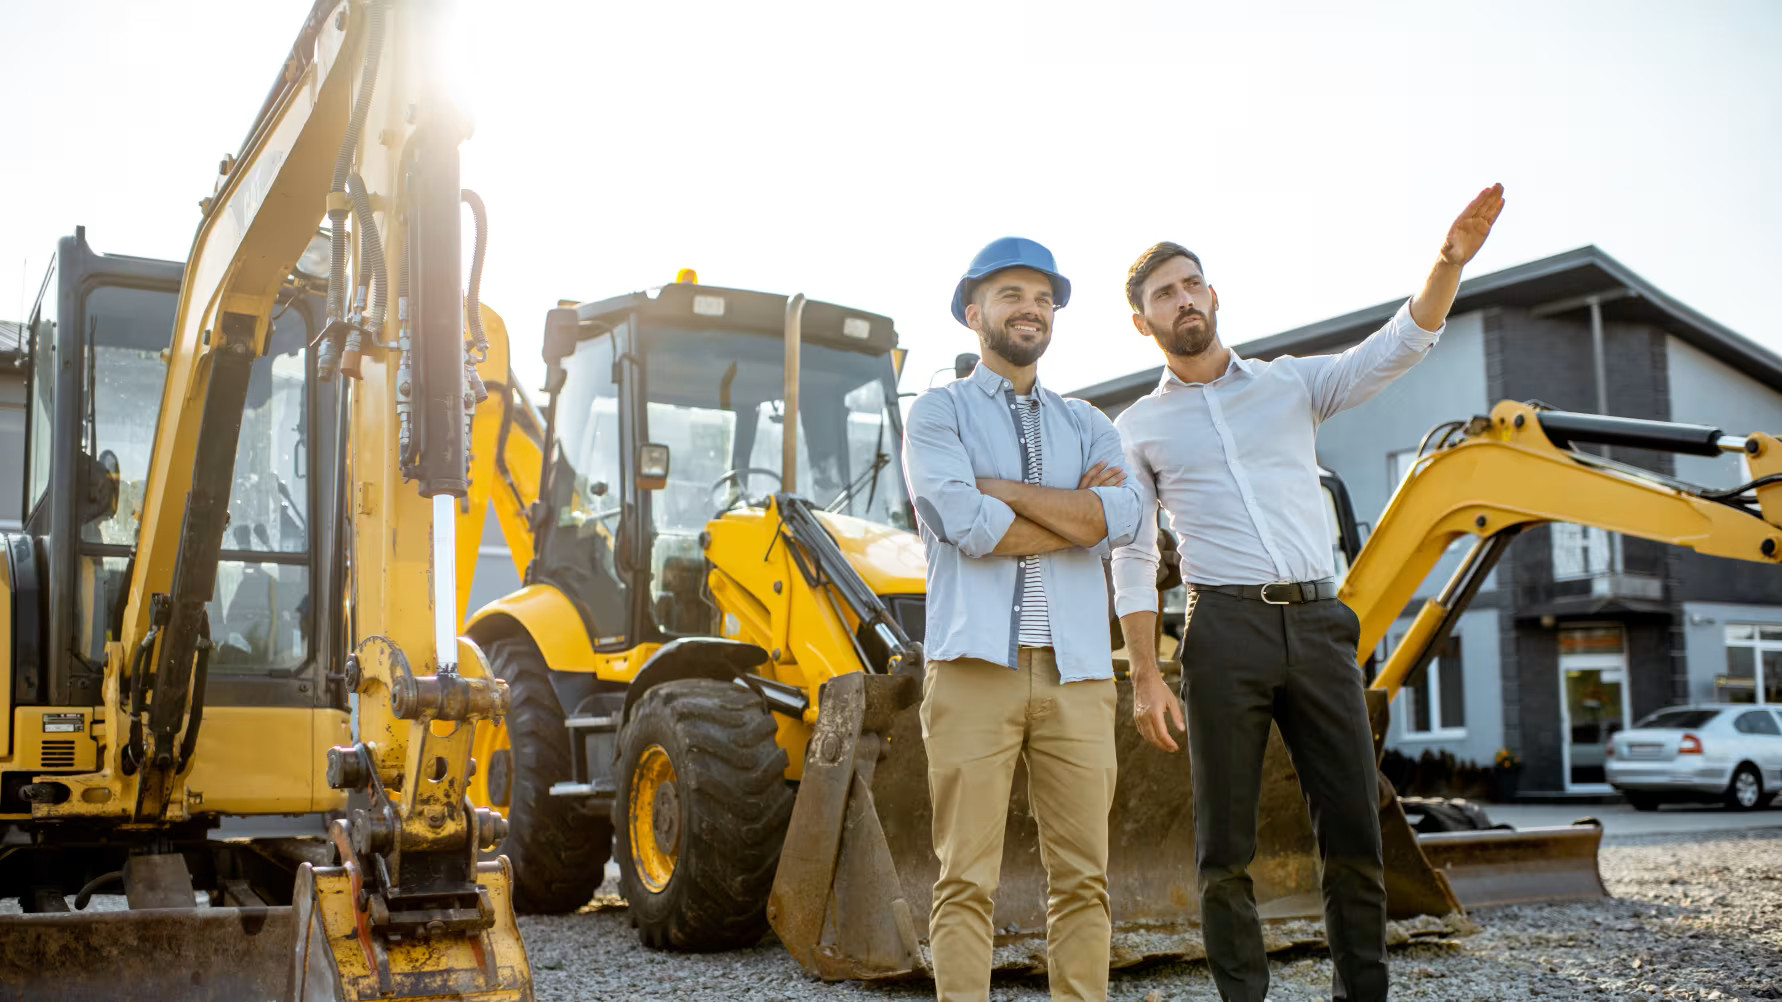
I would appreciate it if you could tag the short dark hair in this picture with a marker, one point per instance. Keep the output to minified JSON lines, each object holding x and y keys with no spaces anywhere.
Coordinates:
{"x":1150,"y":261}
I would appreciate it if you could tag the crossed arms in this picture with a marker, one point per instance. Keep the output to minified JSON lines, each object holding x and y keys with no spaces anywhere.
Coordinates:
{"x":985,"y":516}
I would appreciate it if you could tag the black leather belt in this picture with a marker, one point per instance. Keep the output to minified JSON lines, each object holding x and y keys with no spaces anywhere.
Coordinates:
{"x":1277,"y":592}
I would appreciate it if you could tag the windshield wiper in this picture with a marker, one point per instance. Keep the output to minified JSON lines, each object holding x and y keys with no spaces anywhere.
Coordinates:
{"x":847,"y":493}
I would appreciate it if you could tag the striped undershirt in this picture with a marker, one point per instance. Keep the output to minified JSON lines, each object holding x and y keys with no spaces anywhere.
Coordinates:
{"x":1035,"y":627}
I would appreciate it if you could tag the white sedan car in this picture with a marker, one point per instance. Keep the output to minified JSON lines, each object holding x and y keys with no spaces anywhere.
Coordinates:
{"x":1730,"y":752}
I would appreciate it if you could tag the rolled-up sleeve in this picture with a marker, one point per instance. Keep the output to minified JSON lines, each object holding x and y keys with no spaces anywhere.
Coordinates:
{"x":1135,"y":563}
{"x":942,"y":483}
{"x":1120,"y":505}
{"x":1341,"y":381}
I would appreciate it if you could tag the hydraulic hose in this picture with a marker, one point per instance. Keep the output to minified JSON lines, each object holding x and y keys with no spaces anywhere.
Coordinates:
{"x":135,"y":747}
{"x":371,"y":248}
{"x":200,"y":678}
{"x":473,"y":308}
{"x":334,"y":343}
{"x":92,"y":886}
{"x":349,"y":143}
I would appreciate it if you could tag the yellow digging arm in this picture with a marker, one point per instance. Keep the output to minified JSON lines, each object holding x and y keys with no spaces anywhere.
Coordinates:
{"x":409,"y":910}
{"x":506,"y":451}
{"x":1507,"y":474}
{"x":265,"y":210}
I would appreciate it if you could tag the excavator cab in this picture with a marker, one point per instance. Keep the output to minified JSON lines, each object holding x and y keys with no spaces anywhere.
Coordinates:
{"x":98,"y":338}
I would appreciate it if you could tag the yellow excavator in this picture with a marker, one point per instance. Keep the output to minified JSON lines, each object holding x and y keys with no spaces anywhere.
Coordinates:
{"x":713,"y":661}
{"x":234,"y":595}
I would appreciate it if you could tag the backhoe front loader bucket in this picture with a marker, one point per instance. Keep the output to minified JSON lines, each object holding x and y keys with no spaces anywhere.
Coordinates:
{"x":148,"y":955}
{"x":852,"y":895}
{"x":1510,"y":867}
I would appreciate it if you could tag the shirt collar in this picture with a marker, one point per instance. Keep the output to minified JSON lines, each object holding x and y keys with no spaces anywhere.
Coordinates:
{"x":986,"y":379}
{"x":1238,"y":363}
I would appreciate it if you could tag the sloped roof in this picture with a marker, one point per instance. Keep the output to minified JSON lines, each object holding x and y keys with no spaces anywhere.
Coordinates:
{"x":12,"y":337}
{"x":1561,"y":279}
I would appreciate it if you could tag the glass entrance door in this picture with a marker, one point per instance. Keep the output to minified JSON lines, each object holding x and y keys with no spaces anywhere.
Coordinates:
{"x":1593,"y":701}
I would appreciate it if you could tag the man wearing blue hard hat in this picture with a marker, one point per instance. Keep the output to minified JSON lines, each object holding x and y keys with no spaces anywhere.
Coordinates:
{"x":1019,"y":494}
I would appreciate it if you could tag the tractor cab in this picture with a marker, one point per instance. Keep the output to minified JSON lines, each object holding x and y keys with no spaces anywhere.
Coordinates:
{"x":668,"y":410}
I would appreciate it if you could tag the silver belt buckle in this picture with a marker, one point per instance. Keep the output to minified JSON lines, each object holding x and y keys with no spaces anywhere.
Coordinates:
{"x":1273,"y":584}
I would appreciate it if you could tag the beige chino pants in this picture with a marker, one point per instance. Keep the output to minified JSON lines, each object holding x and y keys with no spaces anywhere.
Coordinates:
{"x":977,"y":718}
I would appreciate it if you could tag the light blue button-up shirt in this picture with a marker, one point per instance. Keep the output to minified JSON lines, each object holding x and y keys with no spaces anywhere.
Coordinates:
{"x":1234,"y":463}
{"x":966,"y":430}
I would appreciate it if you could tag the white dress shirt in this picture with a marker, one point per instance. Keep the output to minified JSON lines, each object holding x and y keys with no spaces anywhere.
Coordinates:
{"x":1234,"y":464}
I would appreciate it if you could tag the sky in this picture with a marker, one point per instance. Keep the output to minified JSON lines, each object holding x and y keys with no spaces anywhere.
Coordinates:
{"x":1312,"y":154}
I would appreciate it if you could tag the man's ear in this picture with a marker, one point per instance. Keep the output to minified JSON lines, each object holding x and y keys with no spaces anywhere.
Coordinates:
{"x":974,"y":317}
{"x":1139,"y":322}
{"x":1215,"y":293}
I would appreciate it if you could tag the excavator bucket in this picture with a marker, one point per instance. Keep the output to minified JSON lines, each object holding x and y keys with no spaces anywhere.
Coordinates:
{"x":851,"y":897}
{"x":148,"y":955}
{"x":1510,"y":867}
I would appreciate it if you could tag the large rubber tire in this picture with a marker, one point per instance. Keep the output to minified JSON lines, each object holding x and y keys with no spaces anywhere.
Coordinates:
{"x":1746,"y":783}
{"x":1640,"y":801}
{"x":558,"y":847}
{"x":702,"y":782}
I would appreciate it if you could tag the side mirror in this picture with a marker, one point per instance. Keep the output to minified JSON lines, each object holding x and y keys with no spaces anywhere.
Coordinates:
{"x":562,"y":330}
{"x":652,"y":466}
{"x":101,"y":480}
{"x":963,"y":363}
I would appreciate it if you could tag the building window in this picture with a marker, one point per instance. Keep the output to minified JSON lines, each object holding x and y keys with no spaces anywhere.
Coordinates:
{"x":1579,"y":551}
{"x":1398,"y":467}
{"x":1753,"y":665}
{"x":1434,"y":697}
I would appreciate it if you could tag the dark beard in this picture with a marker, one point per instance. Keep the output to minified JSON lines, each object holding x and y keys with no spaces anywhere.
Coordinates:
{"x":1186,"y":342}
{"x":1014,"y":353}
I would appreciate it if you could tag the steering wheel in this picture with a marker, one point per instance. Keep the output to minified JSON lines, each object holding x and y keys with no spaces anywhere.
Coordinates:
{"x":736,"y":477}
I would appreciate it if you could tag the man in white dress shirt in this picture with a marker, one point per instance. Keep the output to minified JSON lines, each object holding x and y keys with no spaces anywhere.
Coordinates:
{"x":1226,"y":446}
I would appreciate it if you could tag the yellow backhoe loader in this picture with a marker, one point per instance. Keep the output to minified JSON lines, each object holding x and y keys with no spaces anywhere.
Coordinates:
{"x":713,"y":661}
{"x":234,"y":596}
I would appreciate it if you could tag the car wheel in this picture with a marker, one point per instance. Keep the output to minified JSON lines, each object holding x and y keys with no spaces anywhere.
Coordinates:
{"x":1643,"y":801}
{"x":1745,"y":792}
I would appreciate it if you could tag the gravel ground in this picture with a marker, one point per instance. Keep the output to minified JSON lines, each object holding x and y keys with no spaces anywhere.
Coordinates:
{"x":1696,"y":917}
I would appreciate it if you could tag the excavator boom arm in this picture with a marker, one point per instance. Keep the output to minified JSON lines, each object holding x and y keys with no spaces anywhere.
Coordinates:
{"x":1508,"y":474}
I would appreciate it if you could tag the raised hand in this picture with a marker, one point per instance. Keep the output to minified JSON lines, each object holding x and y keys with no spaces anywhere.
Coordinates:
{"x":1472,"y":226}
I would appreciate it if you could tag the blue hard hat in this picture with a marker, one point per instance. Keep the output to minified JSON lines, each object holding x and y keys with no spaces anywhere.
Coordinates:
{"x":1010,"y":252}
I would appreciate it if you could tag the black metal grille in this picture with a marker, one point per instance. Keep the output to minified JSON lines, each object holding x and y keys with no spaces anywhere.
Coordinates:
{"x":58,"y":754}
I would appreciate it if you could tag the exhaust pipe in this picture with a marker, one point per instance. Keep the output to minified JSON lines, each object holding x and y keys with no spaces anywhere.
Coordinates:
{"x":789,"y":420}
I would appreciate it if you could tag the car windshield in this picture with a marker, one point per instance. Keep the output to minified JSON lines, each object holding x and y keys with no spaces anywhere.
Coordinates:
{"x":1665,"y":720}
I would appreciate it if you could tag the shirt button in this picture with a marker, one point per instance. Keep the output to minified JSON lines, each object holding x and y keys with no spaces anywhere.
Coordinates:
{"x":1017,"y":608}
